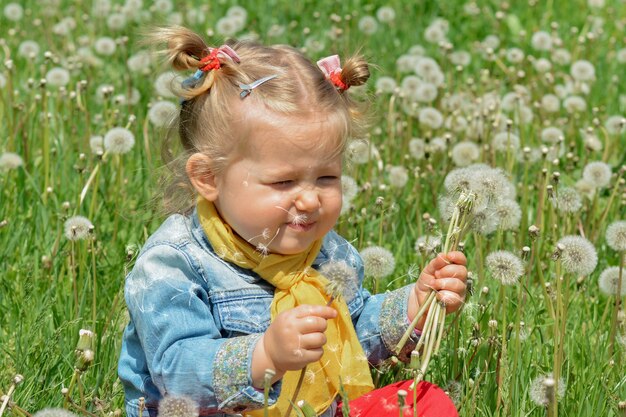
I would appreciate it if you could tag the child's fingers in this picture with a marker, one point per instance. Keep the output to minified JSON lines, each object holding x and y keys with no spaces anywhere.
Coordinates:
{"x":457,"y":257}
{"x":315,"y":310}
{"x":312,"y":341}
{"x":312,"y":324}
{"x":452,"y":271}
{"x":450,"y":285}
{"x":439,"y":262}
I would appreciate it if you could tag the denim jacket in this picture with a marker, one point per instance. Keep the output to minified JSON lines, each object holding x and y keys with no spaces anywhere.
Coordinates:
{"x":195,"y":320}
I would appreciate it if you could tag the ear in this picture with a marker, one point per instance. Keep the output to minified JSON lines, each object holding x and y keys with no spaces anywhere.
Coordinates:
{"x":201,"y":176}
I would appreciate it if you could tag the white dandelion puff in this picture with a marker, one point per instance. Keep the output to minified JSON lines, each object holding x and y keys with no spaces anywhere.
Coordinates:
{"x":616,"y":235}
{"x":54,"y":412}
{"x":505,"y":267}
{"x":13,"y":12}
{"x":398,"y":176}
{"x":568,"y":200}
{"x":579,"y":256}
{"x":368,"y":25}
{"x":77,"y":228}
{"x":10,"y":160}
{"x":465,"y":153}
{"x":378,"y":262}
{"x":597,"y":173}
{"x":119,"y":140}
{"x":343,"y":279}
{"x":538,"y":392}
{"x":583,"y":70}
{"x":58,"y":77}
{"x":609,"y":279}
{"x":162,"y":113}
{"x":349,"y":187}
{"x":105,"y":46}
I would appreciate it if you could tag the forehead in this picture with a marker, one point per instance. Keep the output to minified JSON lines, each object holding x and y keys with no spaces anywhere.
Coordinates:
{"x":263,"y":131}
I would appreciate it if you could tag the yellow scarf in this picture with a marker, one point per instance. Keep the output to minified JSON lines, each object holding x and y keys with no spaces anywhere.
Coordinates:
{"x":297,"y":283}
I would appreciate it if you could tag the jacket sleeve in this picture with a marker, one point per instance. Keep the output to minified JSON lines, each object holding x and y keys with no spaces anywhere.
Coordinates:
{"x":185,"y":352}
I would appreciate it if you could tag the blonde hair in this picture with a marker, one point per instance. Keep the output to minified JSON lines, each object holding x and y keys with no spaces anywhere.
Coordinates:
{"x":205,"y":123}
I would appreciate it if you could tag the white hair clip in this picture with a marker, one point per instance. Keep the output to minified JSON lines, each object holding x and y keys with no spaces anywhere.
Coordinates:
{"x":247,"y":88}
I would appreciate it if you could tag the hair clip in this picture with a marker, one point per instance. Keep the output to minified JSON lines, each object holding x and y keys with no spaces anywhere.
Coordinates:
{"x":331,"y":68}
{"x":247,"y":88}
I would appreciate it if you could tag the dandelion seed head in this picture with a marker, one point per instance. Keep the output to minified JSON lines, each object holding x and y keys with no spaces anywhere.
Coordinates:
{"x":505,"y":267}
{"x":13,"y":12}
{"x":386,"y":84}
{"x":578,"y":256}
{"x":458,"y":179}
{"x":386,"y":14}
{"x":181,"y":406}
{"x":428,"y":244}
{"x":119,"y":140}
{"x":484,"y":221}
{"x":54,"y":412}
{"x":343,"y":279}
{"x":77,"y":228}
{"x":358,"y":151}
{"x":550,"y":103}
{"x":164,"y":84}
{"x":454,"y":390}
{"x":505,"y":141}
{"x":568,"y":200}
{"x":575,"y":104}
{"x":349,"y":187}
{"x":10,"y":160}
{"x":378,"y":262}
{"x":28,"y":49}
{"x":162,"y":113}
{"x":430,"y":117}
{"x":585,"y":188}
{"x":552,"y":135}
{"x":58,"y":77}
{"x":609,"y":279}
{"x":462,"y":58}
{"x":105,"y":46}
{"x":368,"y":25}
{"x":615,"y":124}
{"x":541,"y":41}
{"x":508,"y":213}
{"x":583,"y":70}
{"x":398,"y":176}
{"x":96,"y":143}
{"x":597,"y":173}
{"x":417,"y":148}
{"x":615,"y":235}
{"x":539,"y":394}
{"x":465,"y":153}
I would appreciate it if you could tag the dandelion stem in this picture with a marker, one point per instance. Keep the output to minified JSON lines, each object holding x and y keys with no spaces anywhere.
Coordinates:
{"x":414,"y":322}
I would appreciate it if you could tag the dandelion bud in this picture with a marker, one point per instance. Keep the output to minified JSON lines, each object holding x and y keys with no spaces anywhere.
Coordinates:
{"x":493,"y":324}
{"x":380,"y":200}
{"x":85,"y":340}
{"x":3,"y":223}
{"x":395,"y":360}
{"x":621,"y":406}
{"x":533,"y":231}
{"x":550,"y":191}
{"x":485,"y":290}
{"x":17,"y":379}
{"x":306,"y":409}
{"x":415,"y":360}
{"x":555,"y":177}
{"x":64,"y":391}
{"x":525,"y":252}
{"x":557,"y":251}
{"x":85,"y":359}
{"x":402,"y":397}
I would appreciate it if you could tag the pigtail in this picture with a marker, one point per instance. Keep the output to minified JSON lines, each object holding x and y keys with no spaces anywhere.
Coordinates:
{"x":355,"y":71}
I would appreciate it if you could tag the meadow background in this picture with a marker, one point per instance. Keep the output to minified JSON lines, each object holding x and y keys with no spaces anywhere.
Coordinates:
{"x":534,"y":88}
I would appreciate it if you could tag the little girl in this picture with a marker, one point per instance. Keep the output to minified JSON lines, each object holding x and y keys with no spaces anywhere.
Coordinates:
{"x":235,"y":285}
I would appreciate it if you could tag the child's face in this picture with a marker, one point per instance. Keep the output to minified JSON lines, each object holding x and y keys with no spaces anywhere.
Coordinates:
{"x":284,"y":191}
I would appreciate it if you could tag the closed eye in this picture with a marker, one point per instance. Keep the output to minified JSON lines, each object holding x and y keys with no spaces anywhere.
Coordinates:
{"x":283,"y":183}
{"x":328,"y":179}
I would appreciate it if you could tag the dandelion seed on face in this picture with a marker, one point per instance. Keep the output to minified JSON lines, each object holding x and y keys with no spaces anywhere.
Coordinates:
{"x":538,"y":392}
{"x":10,"y":160}
{"x":179,"y":406}
{"x":578,"y":256}
{"x":616,"y":236}
{"x":119,"y":140}
{"x":505,"y":267}
{"x":609,"y":279}
{"x":597,"y":173}
{"x":378,"y":262}
{"x":77,"y":228}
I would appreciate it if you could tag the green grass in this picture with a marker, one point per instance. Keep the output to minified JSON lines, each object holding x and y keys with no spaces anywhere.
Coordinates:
{"x":40,"y":321}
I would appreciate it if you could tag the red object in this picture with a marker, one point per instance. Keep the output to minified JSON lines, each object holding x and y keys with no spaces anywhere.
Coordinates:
{"x":211,"y":61}
{"x":432,"y":401}
{"x":335,"y":78}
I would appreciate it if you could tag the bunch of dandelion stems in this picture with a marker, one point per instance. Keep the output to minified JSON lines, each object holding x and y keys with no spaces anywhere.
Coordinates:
{"x":432,"y":332}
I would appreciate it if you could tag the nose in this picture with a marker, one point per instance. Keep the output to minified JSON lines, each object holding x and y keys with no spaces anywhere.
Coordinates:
{"x":307,"y":200}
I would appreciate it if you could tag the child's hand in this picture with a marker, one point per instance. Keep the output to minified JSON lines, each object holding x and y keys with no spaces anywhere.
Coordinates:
{"x":296,"y":337}
{"x":447,"y":275}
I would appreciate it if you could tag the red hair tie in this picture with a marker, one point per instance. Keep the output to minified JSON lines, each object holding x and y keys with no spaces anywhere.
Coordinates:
{"x":331,"y":68}
{"x":211,"y":61}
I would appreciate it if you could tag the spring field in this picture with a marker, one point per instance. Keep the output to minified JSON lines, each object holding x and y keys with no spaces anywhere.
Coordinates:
{"x":519,"y":104}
